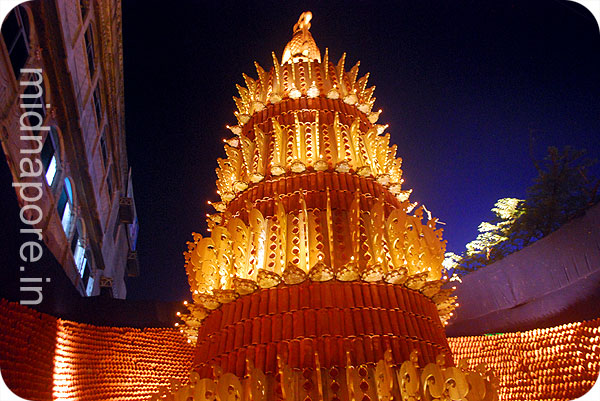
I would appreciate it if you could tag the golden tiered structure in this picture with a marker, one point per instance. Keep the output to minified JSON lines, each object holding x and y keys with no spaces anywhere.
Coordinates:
{"x":319,"y":280}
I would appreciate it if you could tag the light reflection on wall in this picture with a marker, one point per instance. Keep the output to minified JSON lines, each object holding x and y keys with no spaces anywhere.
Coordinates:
{"x":63,"y":366}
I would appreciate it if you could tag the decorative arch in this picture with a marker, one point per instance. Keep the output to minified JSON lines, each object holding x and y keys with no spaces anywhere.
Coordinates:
{"x":19,"y":38}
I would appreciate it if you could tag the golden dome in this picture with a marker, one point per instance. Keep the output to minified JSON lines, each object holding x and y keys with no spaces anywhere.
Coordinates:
{"x":302,"y":47}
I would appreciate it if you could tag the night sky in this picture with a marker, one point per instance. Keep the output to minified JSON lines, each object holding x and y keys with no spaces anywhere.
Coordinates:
{"x":463,"y":85}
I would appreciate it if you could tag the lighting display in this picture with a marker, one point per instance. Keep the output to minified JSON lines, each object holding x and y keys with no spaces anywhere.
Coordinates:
{"x":316,"y":258}
{"x":46,"y":358}
{"x":310,"y":189}
{"x":319,"y":279}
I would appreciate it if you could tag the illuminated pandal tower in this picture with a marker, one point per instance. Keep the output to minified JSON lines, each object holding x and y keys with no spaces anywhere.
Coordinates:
{"x":319,"y":279}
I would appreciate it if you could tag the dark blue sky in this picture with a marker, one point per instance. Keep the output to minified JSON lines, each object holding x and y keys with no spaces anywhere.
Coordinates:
{"x":463,"y":85}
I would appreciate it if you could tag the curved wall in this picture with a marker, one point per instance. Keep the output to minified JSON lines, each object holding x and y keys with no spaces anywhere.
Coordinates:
{"x":553,"y":281}
{"x":44,"y":358}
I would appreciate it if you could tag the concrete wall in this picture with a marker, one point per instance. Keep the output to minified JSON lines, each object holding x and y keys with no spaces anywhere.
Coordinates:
{"x":553,"y":281}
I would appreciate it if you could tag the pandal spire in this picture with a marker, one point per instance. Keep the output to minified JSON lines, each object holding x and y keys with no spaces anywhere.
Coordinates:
{"x":317,"y":267}
{"x":302,"y":47}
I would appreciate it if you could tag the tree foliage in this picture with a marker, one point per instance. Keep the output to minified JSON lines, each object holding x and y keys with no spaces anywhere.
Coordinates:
{"x":563,"y":189}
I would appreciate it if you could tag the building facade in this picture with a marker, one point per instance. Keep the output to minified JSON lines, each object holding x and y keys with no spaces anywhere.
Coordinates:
{"x":63,"y":133}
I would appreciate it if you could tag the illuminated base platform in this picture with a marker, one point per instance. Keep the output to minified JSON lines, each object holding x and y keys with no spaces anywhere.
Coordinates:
{"x":44,"y":358}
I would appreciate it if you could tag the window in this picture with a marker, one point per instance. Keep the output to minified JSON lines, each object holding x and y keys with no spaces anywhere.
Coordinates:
{"x":50,"y":156}
{"x":50,"y":164}
{"x":90,"y":286}
{"x":89,"y":49}
{"x":66,"y":218}
{"x":15,"y":31}
{"x":65,"y":207}
{"x":80,"y":255}
{"x":98,"y":105}
{"x":104,"y":150}
{"x":86,"y":271}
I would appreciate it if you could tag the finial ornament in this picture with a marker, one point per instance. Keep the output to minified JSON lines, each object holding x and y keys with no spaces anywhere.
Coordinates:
{"x":302,"y":47}
{"x":303,"y":23}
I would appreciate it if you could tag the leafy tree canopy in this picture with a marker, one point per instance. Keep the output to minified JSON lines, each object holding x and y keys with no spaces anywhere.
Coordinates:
{"x":563,"y":189}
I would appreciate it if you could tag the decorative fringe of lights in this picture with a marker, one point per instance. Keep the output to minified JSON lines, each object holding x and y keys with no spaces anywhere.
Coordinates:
{"x":309,"y":137}
{"x":320,"y":245}
{"x":383,"y":381}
